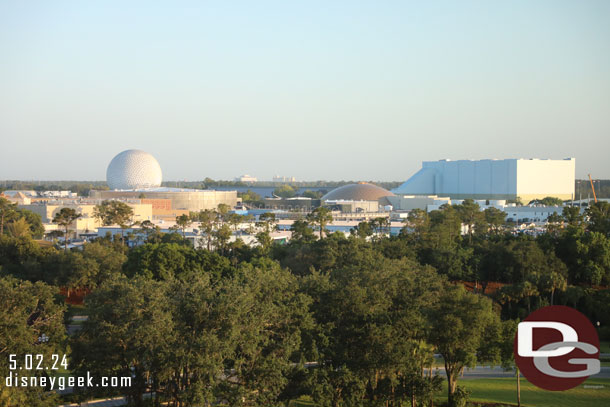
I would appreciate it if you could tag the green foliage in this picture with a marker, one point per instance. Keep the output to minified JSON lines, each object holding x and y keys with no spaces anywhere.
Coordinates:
{"x":320,"y":217}
{"x":550,"y":201}
{"x":599,"y":217}
{"x":371,"y":333}
{"x":312,"y":194}
{"x":302,"y":233}
{"x":284,"y":191}
{"x":113,"y":342}
{"x":20,"y":218}
{"x":236,"y":339}
{"x":464,"y":329}
{"x":250,"y":197}
{"x":65,"y":218}
{"x":7,"y":208}
{"x":164,"y":261}
{"x":30,"y":311}
{"x":183,"y":222}
{"x":114,"y":213}
{"x":19,"y":228}
{"x":33,"y":220}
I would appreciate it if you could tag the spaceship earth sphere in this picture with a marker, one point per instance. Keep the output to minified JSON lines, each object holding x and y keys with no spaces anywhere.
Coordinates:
{"x":133,"y":169}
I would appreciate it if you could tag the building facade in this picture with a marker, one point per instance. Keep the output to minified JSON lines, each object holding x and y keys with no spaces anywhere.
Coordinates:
{"x":181,"y":198}
{"x":527,"y":179}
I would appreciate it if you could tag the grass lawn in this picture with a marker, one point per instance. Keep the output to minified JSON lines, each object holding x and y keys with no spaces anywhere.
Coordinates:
{"x":505,"y":390}
{"x":604,"y":346}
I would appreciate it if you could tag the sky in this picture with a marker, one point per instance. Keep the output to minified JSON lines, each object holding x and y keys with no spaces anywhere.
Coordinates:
{"x":333,"y":90}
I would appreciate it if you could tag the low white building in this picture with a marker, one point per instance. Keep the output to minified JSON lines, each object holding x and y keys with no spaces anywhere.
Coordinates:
{"x":281,"y":178}
{"x":246,"y":178}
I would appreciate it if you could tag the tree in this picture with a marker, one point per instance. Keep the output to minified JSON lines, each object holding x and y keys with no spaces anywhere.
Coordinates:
{"x":151,"y":231}
{"x":114,"y":213}
{"x":267,"y":221}
{"x":554,"y":222}
{"x":31,"y":323}
{"x":417,"y":225}
{"x":321,"y":216}
{"x":464,"y":329}
{"x":572,"y":216}
{"x":64,"y":218}
{"x":250,"y":197}
{"x":265,"y":240}
{"x":269,"y":314}
{"x":7,"y":208}
{"x":370,"y":336}
{"x":128,"y":333}
{"x":223,"y":210}
{"x":207,"y":221}
{"x":599,"y":217}
{"x":72,"y":270}
{"x":222,"y":235}
{"x":494,"y":219}
{"x":364,"y":230}
{"x":183,"y":221}
{"x":312,"y":194}
{"x":552,"y":281}
{"x":470,"y":214}
{"x":235,"y":219}
{"x":302,"y":232}
{"x":19,"y":228}
{"x":550,"y":201}
{"x":162,"y":261}
{"x":284,"y":191}
{"x":380,"y":226}
{"x":34,"y":221}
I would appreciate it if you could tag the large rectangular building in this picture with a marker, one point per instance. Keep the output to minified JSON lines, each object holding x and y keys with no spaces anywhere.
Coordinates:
{"x":527,"y":179}
{"x":193,"y":200}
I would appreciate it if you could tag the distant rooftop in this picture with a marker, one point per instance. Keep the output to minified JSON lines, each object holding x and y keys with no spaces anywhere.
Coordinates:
{"x":161,"y":189}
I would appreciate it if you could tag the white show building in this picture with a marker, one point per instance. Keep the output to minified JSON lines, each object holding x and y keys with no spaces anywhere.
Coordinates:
{"x":528,"y":179}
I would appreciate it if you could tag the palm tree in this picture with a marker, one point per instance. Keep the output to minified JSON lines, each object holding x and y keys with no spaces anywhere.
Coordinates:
{"x":64,"y":218}
{"x":207,"y":219}
{"x":321,"y":216}
{"x":19,"y":228}
{"x":183,"y":222}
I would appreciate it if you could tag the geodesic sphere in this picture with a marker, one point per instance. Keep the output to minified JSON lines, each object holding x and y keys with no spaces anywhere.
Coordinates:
{"x":133,"y":169}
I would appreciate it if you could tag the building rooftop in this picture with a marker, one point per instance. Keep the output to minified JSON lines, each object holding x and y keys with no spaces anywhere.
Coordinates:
{"x":357,"y":192}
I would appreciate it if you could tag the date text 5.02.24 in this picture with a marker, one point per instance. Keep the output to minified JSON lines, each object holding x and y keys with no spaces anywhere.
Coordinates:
{"x":37,"y":362}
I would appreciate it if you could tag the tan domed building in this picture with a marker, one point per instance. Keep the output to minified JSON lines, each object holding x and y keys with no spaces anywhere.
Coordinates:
{"x":362,"y":191}
{"x":360,"y":197}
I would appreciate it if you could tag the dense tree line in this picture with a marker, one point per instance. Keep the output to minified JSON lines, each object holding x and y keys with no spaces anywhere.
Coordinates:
{"x":351,"y":320}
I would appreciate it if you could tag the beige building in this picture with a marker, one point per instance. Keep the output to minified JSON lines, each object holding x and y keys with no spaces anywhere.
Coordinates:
{"x":18,"y":198}
{"x":87,"y":222}
{"x":185,"y":199}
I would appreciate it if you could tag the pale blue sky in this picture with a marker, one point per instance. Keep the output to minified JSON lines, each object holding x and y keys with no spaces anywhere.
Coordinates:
{"x":361,"y":90}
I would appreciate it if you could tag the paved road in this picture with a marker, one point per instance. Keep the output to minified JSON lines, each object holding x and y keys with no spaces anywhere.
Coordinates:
{"x":115,"y":402}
